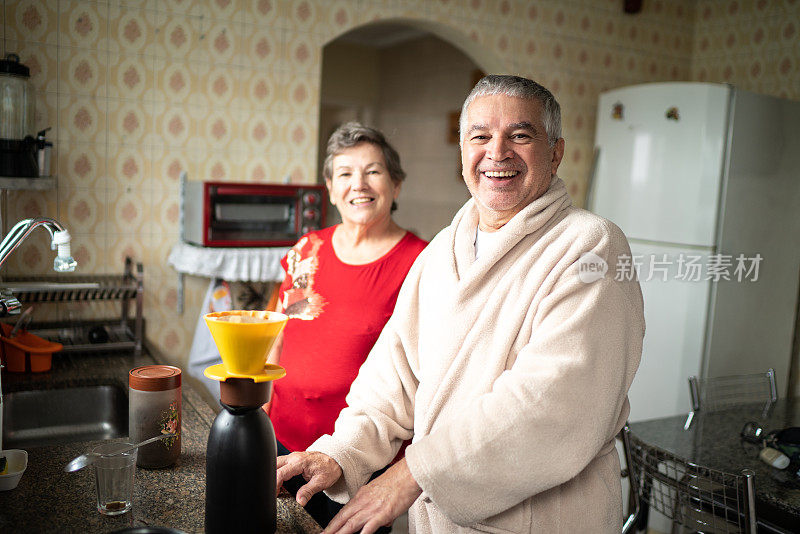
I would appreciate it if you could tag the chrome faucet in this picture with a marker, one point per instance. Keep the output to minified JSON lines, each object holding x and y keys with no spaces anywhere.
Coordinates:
{"x":60,"y":239}
{"x":64,"y":262}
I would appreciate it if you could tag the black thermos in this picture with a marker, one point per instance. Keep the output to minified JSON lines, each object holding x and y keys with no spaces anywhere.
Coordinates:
{"x":240,"y":472}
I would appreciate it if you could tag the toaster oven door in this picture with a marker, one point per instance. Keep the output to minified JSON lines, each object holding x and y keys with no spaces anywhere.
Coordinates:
{"x":252,"y":219}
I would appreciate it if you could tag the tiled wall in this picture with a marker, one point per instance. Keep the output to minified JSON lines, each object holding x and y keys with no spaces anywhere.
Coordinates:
{"x":423,"y":81}
{"x":753,"y":44}
{"x":138,"y":90}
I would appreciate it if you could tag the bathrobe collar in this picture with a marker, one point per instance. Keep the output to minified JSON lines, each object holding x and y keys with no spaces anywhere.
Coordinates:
{"x":533,"y":218}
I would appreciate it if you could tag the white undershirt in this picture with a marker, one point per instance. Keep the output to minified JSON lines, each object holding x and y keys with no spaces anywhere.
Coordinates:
{"x":486,"y":240}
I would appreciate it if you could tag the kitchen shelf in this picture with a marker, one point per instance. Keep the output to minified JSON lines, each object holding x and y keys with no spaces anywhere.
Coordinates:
{"x":76,"y":338}
{"x":123,"y":334}
{"x":37,"y":183}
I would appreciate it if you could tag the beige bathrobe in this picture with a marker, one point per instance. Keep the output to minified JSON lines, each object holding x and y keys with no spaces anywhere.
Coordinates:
{"x":509,"y":372}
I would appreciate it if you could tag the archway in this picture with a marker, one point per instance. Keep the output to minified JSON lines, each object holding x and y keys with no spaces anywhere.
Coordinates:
{"x":408,"y":79}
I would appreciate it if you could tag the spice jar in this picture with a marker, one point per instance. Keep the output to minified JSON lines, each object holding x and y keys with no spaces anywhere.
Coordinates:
{"x":155,"y":409}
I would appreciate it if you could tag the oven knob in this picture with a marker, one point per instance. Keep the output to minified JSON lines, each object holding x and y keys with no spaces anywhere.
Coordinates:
{"x":309,"y":228}
{"x":310,"y":214}
{"x":311,"y":199}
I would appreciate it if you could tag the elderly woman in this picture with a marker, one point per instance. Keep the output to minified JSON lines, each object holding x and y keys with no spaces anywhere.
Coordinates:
{"x":340,"y":289}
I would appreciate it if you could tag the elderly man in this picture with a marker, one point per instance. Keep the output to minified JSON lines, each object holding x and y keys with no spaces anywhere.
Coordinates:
{"x":508,"y":357}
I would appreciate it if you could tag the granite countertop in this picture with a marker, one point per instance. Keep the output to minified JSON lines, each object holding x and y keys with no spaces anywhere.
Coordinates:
{"x":49,"y":500}
{"x":713,"y":440}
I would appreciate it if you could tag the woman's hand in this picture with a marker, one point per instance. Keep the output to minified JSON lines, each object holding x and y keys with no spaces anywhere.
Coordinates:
{"x":320,"y":470}
{"x":378,"y":503}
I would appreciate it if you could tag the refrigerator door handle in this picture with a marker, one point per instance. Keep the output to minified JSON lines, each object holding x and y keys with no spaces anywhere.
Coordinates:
{"x":589,"y":199}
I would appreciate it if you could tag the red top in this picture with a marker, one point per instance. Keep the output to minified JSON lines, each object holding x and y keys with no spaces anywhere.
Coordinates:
{"x":336,"y":312}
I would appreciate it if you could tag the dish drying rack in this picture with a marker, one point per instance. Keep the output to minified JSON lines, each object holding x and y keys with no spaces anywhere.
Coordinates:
{"x":123,"y":334}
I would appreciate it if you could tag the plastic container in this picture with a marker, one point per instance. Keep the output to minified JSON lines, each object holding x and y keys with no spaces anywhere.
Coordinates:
{"x":17,"y":462}
{"x":26,"y":351}
{"x":774,"y":457}
{"x":19,"y":97}
{"x":155,"y":408}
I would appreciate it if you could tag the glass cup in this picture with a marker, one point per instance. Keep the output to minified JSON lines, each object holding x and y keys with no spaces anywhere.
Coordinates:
{"x":114,"y":477}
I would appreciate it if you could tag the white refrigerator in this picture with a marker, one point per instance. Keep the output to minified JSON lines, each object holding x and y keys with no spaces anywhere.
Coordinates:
{"x":704,"y":179}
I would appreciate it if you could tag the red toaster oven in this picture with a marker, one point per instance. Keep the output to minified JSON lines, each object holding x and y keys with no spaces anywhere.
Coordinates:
{"x":227,"y":214}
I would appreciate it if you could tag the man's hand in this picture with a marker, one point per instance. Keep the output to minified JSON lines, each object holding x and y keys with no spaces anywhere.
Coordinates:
{"x":320,"y":470}
{"x":378,"y":503}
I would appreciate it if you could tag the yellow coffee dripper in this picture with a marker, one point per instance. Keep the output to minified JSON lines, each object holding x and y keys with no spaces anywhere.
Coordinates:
{"x":244,"y":339}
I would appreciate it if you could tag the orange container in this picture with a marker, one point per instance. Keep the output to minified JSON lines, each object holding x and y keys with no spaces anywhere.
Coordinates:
{"x":26,"y":351}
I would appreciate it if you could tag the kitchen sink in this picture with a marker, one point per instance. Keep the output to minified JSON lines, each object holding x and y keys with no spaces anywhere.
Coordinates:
{"x":66,"y":415}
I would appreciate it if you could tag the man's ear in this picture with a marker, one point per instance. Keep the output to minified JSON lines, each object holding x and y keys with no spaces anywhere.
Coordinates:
{"x":558,"y":155}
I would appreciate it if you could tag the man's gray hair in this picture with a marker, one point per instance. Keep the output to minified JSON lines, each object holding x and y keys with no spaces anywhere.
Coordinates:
{"x":505,"y":84}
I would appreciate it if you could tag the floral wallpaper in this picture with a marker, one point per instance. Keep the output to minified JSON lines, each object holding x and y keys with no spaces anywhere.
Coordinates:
{"x":137,"y":91}
{"x":752,"y":44}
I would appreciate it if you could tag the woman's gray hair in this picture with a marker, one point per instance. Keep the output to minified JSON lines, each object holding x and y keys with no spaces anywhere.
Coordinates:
{"x":504,"y":84}
{"x":349,"y":135}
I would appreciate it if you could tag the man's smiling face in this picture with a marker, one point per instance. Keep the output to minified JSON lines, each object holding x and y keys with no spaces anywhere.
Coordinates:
{"x":507,"y":162}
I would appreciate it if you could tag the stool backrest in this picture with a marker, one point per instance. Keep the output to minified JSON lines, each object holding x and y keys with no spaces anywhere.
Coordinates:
{"x":696,"y":497}
{"x":718,"y":393}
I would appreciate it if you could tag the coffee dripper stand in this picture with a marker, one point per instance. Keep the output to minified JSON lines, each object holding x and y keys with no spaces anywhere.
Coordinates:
{"x":242,"y":451}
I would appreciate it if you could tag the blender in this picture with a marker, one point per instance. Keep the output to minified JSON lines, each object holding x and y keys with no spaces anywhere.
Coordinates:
{"x":242,"y":452}
{"x":18,"y":148}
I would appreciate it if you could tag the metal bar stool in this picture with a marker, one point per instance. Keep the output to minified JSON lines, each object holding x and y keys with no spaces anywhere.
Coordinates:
{"x":695,"y":498}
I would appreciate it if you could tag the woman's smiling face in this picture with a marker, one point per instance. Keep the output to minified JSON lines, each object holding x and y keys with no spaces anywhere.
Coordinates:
{"x":360,"y":186}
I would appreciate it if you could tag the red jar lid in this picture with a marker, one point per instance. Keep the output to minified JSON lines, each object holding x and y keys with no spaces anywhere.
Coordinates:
{"x":154,"y":378}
